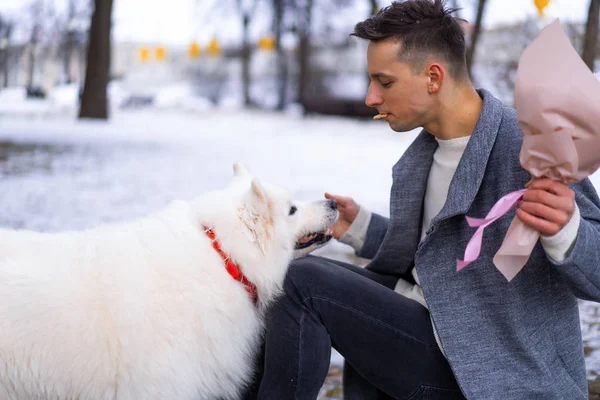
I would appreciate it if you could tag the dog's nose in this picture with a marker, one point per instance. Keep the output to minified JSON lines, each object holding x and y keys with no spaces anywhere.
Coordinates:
{"x":332,"y":204}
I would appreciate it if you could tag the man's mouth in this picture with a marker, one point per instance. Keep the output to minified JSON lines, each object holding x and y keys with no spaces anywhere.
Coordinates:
{"x":314,"y":238}
{"x":381,"y":116}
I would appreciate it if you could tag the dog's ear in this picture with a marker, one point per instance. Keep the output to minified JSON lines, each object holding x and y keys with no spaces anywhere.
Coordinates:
{"x":239,"y":170}
{"x":258,"y":191}
{"x":258,"y":216}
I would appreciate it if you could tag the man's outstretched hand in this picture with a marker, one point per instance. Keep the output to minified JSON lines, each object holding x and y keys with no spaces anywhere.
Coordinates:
{"x":347,"y":209}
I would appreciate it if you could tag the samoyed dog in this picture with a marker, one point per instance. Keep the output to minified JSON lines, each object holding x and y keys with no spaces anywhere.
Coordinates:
{"x":166,"y":307}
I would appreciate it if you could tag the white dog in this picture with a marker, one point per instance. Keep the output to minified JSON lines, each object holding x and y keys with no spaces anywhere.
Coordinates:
{"x":167,"y":307}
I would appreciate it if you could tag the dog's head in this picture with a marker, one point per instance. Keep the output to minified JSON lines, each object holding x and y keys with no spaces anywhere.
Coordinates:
{"x":274,"y":219}
{"x":263,"y":229}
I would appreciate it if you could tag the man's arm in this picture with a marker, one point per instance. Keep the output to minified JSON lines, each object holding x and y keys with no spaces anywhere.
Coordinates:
{"x":576,"y":258}
{"x":581,"y":266}
{"x":375,"y":234}
{"x":357,"y":227}
{"x":366,"y":233}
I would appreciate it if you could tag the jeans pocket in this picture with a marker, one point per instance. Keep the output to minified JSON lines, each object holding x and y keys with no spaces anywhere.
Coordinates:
{"x":435,"y":393}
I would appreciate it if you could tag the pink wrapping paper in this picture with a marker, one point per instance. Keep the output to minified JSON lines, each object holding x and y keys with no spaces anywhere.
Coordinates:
{"x":557,"y":99}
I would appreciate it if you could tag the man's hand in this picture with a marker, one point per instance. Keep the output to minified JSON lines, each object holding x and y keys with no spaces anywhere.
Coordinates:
{"x":347,"y":209}
{"x":547,"y":206}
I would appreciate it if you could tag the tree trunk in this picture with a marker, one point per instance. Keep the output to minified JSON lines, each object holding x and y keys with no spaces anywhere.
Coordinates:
{"x":374,"y":7}
{"x":282,"y":65}
{"x":32,"y":47}
{"x":475,"y":35}
{"x":68,"y":56}
{"x":304,"y":50}
{"x":5,"y":67}
{"x":591,"y":34}
{"x":94,"y":102}
{"x":6,"y":55}
{"x":456,"y":7}
{"x":246,"y":60}
{"x":69,"y":42}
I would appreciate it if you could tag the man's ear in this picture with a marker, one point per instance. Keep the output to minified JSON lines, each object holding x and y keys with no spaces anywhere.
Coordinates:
{"x":435,"y":75}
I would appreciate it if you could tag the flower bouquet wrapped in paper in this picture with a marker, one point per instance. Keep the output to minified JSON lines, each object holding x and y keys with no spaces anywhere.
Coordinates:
{"x":557,"y":99}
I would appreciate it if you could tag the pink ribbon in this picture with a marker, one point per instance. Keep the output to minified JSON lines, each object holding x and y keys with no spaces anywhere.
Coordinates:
{"x":502,"y":206}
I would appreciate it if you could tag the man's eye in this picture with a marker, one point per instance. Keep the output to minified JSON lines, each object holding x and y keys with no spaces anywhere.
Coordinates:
{"x":386,"y":84}
{"x":293,"y":210}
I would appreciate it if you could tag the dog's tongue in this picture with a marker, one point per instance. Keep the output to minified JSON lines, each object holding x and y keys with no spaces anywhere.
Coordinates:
{"x":307,"y":238}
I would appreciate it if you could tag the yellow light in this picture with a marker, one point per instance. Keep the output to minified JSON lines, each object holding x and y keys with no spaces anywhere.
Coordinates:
{"x":214,"y":48}
{"x":144,"y":54}
{"x":541,"y":5}
{"x":266,"y":43}
{"x":194,"y":50}
{"x":161,"y":53}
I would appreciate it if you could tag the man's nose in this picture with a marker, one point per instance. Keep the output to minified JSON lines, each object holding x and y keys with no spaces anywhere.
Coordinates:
{"x":373,"y":99}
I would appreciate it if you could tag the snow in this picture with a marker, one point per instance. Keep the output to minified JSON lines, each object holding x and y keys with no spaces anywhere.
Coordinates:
{"x":58,"y":173}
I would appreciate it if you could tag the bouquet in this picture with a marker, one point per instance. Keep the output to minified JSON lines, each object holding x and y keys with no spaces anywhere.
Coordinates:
{"x":557,"y":99}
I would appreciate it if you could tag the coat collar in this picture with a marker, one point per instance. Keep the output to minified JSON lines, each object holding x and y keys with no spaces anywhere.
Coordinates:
{"x":472,"y":166}
{"x":416,"y":162}
{"x":410,"y":176}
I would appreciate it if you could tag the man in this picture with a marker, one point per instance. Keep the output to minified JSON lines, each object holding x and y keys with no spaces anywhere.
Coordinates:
{"x":409,"y":325}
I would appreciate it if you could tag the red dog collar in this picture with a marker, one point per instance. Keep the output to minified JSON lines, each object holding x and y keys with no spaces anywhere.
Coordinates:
{"x":232,"y":267}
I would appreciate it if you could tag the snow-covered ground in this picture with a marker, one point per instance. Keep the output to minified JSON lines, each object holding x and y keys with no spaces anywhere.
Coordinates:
{"x":57,"y":173}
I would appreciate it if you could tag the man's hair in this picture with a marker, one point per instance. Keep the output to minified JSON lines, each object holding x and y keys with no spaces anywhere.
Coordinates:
{"x":424,"y":28}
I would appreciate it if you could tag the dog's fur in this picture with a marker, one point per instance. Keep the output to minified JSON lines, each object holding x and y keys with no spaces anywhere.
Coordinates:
{"x":146,"y":310}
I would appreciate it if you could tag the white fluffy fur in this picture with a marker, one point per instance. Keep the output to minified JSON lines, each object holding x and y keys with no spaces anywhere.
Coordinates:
{"x":145,"y":309}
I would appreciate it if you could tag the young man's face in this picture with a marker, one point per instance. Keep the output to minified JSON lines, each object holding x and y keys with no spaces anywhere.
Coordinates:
{"x":395,"y":89}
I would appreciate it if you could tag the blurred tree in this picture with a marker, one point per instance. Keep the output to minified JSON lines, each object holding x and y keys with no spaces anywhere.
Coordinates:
{"x":374,"y":6}
{"x":76,"y":9}
{"x":94,"y":102}
{"x":475,"y":34}
{"x":279,"y":12}
{"x":456,"y":8}
{"x":6,"y":29}
{"x":304,"y":24}
{"x":36,"y":11}
{"x":246,"y":9}
{"x":69,"y":41}
{"x":591,"y":34}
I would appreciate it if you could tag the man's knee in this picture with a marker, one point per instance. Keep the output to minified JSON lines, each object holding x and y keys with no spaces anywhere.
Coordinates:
{"x":305,"y":265}
{"x":303,"y":271}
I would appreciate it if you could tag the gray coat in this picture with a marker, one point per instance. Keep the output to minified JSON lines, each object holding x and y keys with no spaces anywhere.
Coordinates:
{"x":504,"y":340}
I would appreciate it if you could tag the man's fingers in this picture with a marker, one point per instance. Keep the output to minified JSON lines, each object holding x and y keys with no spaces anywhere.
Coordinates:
{"x":551,"y":186}
{"x":544,"y":227}
{"x":549,"y":199}
{"x":556,"y":216}
{"x":339,"y":228}
{"x":341,"y":200}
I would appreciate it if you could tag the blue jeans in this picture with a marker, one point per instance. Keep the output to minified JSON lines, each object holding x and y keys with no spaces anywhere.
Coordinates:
{"x":386,"y":339}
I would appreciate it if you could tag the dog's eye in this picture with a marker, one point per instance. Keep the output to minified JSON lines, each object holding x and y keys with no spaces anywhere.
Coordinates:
{"x":293,"y":210}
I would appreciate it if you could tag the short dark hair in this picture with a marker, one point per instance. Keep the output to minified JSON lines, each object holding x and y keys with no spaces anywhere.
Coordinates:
{"x":424,"y":28}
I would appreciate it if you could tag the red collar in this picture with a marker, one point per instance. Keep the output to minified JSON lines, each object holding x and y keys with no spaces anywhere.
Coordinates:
{"x":232,"y":267}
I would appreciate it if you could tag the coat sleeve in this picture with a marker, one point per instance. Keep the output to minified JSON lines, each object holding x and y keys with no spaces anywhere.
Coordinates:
{"x":581,"y":267}
{"x":375,"y":233}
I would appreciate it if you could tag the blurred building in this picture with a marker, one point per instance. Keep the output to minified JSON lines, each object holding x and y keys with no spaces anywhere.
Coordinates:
{"x":337,"y":68}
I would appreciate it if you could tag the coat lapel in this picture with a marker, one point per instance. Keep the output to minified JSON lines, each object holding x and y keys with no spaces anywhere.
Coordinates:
{"x":471,"y":168}
{"x":410,"y":175}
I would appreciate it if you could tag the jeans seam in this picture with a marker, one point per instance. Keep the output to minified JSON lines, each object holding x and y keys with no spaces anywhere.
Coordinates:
{"x":422,"y":389}
{"x":299,"y":355}
{"x":368,"y":317}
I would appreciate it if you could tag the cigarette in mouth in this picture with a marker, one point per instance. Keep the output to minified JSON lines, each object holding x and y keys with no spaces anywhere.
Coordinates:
{"x":380,"y":116}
